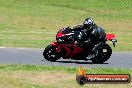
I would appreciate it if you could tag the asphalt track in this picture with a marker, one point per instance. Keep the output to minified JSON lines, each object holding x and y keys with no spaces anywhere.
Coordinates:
{"x":35,"y":57}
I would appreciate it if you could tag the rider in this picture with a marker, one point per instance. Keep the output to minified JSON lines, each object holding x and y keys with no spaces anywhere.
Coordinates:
{"x":95,"y":36}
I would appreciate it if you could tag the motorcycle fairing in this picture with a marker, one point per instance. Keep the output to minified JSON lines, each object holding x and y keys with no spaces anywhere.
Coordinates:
{"x":70,"y":50}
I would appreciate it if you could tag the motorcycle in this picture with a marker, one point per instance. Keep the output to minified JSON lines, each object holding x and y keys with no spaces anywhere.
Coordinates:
{"x":67,"y":48}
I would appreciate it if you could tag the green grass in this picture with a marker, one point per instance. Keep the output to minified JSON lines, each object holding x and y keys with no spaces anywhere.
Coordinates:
{"x":32,"y":76}
{"x":40,"y":68}
{"x":34,"y":23}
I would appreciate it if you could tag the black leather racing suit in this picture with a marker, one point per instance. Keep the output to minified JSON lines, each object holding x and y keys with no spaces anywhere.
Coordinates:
{"x":94,"y":38}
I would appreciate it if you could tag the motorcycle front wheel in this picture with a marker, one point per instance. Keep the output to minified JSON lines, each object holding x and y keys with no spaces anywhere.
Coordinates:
{"x":102,"y":55}
{"x":50,"y":53}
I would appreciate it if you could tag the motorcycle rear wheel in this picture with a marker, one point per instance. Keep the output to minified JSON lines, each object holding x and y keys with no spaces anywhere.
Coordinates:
{"x":50,"y":53}
{"x":104,"y":53}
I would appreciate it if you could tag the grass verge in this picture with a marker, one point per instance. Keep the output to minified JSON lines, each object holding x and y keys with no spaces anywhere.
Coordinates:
{"x":29,"y":23}
{"x":32,"y":76}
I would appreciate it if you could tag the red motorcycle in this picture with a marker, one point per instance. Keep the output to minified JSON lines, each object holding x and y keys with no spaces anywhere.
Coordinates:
{"x":66,"y":47}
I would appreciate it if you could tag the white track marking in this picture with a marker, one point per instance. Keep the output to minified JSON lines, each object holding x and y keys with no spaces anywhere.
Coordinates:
{"x":21,"y":48}
{"x":2,"y":47}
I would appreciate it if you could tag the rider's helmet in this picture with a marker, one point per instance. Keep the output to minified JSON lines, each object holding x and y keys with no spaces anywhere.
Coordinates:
{"x":88,"y":23}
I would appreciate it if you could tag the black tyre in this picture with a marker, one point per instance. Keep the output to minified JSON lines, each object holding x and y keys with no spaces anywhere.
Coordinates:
{"x":50,"y":53}
{"x":103,"y":54}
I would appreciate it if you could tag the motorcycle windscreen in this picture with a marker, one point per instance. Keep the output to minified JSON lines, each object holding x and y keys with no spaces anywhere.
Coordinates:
{"x":110,"y":36}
